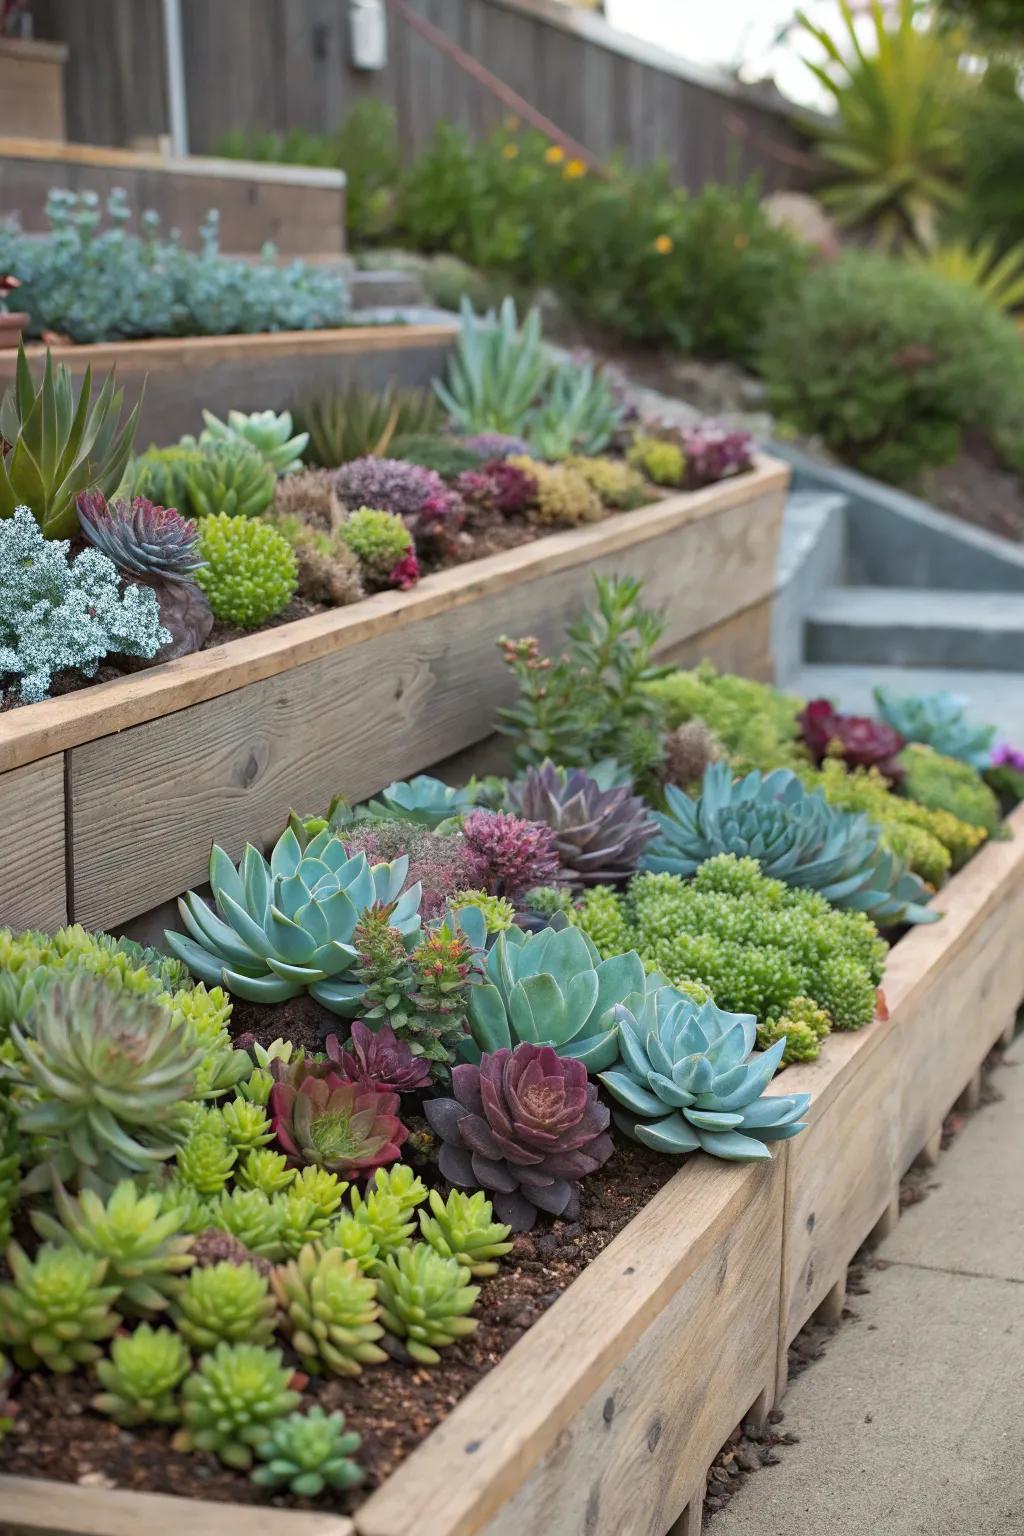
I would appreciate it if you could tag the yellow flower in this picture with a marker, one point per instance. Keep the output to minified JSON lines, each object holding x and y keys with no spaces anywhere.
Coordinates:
{"x":554,"y":154}
{"x":510,"y":151}
{"x":741,"y":241}
{"x":574,"y":170}
{"x":511,"y":124}
{"x":663,"y":245}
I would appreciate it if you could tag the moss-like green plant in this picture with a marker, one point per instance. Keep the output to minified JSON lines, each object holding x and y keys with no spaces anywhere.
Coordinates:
{"x":424,"y":1299}
{"x":931,"y":832}
{"x":619,"y":485}
{"x":331,"y":1311}
{"x":462,"y":1228}
{"x":662,"y":462}
{"x":563,"y":495}
{"x":265,"y":1169}
{"x":246,"y":1124}
{"x":232,"y":1400}
{"x":947,"y":784}
{"x":225,"y":1303}
{"x":142,"y":1377}
{"x":803,"y":1027}
{"x":356,"y":1241}
{"x":250,"y":572}
{"x":257,"y":1087}
{"x":379,"y":539}
{"x":136,"y":1234}
{"x":252,"y":1217}
{"x":207,"y":1159}
{"x":56,"y":1307}
{"x":308,"y":1452}
{"x":498,"y":913}
{"x":756,"y":724}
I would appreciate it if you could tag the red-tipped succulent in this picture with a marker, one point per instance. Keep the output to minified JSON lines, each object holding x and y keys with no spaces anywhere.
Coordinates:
{"x":526,"y":1126}
{"x":378,"y":1056}
{"x":348,"y":1128}
{"x":514,"y":855}
{"x":860,"y":741}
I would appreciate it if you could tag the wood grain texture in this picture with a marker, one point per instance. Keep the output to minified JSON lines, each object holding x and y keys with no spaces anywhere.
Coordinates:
{"x":741,"y":643}
{"x":747,"y":510}
{"x":604,"y":1406}
{"x":33,"y":890}
{"x":31,"y":90}
{"x":63,"y":1509}
{"x":230,"y":769}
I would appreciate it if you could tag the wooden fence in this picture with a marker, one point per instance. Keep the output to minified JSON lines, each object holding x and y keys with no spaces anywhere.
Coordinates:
{"x":278,"y":64}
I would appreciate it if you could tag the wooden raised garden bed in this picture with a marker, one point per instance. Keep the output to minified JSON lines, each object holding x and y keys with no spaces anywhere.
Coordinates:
{"x":606,"y":1415}
{"x":111,"y":796}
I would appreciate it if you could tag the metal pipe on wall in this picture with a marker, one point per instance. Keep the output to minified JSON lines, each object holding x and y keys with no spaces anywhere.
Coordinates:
{"x":177,"y":96}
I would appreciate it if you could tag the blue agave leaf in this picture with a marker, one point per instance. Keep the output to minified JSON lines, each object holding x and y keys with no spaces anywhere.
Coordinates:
{"x":668,"y":1092}
{"x":290,"y":941}
{"x":580,"y":997}
{"x":712,"y":1120}
{"x":262,"y":989}
{"x":488,"y":1018}
{"x":782,"y":1110}
{"x":340,"y":914}
{"x":200,"y":962}
{"x":257,"y":878}
{"x":224,"y":876}
{"x":617,"y":979}
{"x":214,"y":935}
{"x":289,"y":894}
{"x":252,"y":936}
{"x":538,"y":1012}
{"x":631,"y":1045}
{"x":780,"y":1132}
{"x":597,"y":1052}
{"x":341,"y":997}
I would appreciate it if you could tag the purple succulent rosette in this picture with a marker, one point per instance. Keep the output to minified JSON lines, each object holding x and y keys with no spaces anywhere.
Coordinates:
{"x":526,"y":1126}
{"x":378,"y":1056}
{"x":714,"y":452}
{"x":513,"y":855}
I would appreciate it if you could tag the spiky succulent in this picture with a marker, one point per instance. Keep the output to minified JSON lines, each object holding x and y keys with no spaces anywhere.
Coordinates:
{"x":108,"y":1072}
{"x":232,"y":1400}
{"x":139,"y":1238}
{"x":301,"y":1222}
{"x":600,"y":834}
{"x":56,"y":1307}
{"x":285,"y":927}
{"x":207,"y":1159}
{"x":860,"y":741}
{"x":551,"y":988}
{"x":265,"y":1169}
{"x":229,"y":477}
{"x":356,"y":1241}
{"x":142,"y":1377}
{"x":224,"y":1302}
{"x":402,"y":1183}
{"x":423,"y":799}
{"x":379,"y":1056}
{"x":250,"y":1216}
{"x":245,"y":1124}
{"x":580,"y":413}
{"x":496,"y":371}
{"x":795,"y":836}
{"x":320,"y":1186}
{"x":686,"y":1083}
{"x":347,"y":1128}
{"x":462,"y":1228}
{"x":525,"y":1124}
{"x":497,"y":912}
{"x":938,"y":720}
{"x":424,"y":1299}
{"x":308,"y":1452}
{"x":141,"y":539}
{"x":388,"y":1219}
{"x":331,"y":1312}
{"x":266,"y":431}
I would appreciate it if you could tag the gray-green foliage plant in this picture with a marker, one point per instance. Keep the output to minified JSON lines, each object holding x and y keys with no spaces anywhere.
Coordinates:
{"x":937,"y":720}
{"x":578,"y":414}
{"x":109,"y":284}
{"x":269,"y":432}
{"x":497,"y":372}
{"x":308,"y":1452}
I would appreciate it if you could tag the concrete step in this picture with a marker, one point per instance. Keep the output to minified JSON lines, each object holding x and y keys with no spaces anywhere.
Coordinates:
{"x":811,"y":556}
{"x":991,"y":696}
{"x":910,"y":627}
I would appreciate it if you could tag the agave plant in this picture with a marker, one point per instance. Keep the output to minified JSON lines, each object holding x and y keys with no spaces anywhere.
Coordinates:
{"x":356,"y":422}
{"x":600,"y":833}
{"x":579,"y":414}
{"x":266,"y":431}
{"x":795,"y":836}
{"x":425,"y":800}
{"x":497,"y":372}
{"x":937,"y":720}
{"x":285,"y":926}
{"x":229,"y":476}
{"x":686,"y":1083}
{"x":54,"y":446}
{"x":551,"y":988}
{"x":997,"y":277}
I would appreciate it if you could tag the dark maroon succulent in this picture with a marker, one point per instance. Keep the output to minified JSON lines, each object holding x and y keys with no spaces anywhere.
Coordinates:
{"x":526,"y":1126}
{"x":600,"y":834}
{"x":713,"y":452}
{"x":348,"y":1128}
{"x":513,"y":855}
{"x":405,"y":573}
{"x":497,"y":487}
{"x":378,"y":1056}
{"x":859,"y":740}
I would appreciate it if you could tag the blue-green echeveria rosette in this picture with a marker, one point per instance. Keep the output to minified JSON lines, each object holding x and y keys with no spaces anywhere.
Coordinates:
{"x":285,"y":926}
{"x":937,"y":720}
{"x":551,"y":988}
{"x":687,"y":1082}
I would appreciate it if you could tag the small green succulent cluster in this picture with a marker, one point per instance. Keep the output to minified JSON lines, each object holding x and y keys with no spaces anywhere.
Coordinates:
{"x":754,"y":944}
{"x":58,"y":1307}
{"x":755,"y":723}
{"x":331,"y":1311}
{"x":563,"y":495}
{"x":803,"y":1027}
{"x":378,"y":539}
{"x":660,"y":461}
{"x":932,"y":840}
{"x":425,"y":1299}
{"x":224,"y":1303}
{"x":232,"y":1400}
{"x":133,"y":1232}
{"x":142,"y":1377}
{"x":308,"y":1452}
{"x":947,"y":784}
{"x":618,"y":485}
{"x":250,"y":572}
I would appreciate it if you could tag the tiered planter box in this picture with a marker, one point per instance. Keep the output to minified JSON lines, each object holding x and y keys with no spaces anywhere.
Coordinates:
{"x":111,"y":796}
{"x":604,"y":1418}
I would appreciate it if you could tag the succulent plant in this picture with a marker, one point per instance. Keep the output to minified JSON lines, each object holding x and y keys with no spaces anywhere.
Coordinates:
{"x":526,"y":1124}
{"x":424,"y":1299}
{"x":551,"y":988}
{"x":183,"y":1200}
{"x":387,"y":1218}
{"x":860,"y":741}
{"x":54,"y":445}
{"x":462,"y":1228}
{"x":229,"y":478}
{"x":331,"y":1311}
{"x":379,"y":1056}
{"x":224,"y":1302}
{"x":250,"y":573}
{"x":686,"y":1084}
{"x":419,"y":995}
{"x":320,"y":1186}
{"x":347,"y":1128}
{"x":561,"y":495}
{"x":265,"y":1169}
{"x":161,"y":474}
{"x":380,"y":540}
{"x":328,"y":570}
{"x":439,"y":862}
{"x":10,"y":1167}
{"x":714,"y":452}
{"x":353,"y":1236}
{"x":266,"y":431}
{"x":142,"y":1377}
{"x":937,"y":720}
{"x":308,"y":1452}
{"x":206,"y":1160}
{"x":499,"y":487}
{"x":250,"y":1216}
{"x":496,"y":372}
{"x":618,"y":485}
{"x":497,"y":912}
{"x":662,"y":462}
{"x":285,"y":926}
{"x":401,"y":1182}
{"x":134,"y":1232}
{"x":232,"y":1400}
{"x":356,"y":422}
{"x":580,"y":413}
{"x":108,"y":1072}
{"x":301,"y":1221}
{"x":600,"y":834}
{"x":492,"y":446}
{"x":513,"y":854}
{"x":424,"y":800}
{"x":802,"y":1028}
{"x":246,"y":1125}
{"x":56,"y":1307}
{"x":447,"y":456}
{"x":948,"y":784}
{"x":795,"y":836}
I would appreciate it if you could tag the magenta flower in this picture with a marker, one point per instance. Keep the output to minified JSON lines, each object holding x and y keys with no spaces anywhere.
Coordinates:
{"x":405,"y":573}
{"x":1006,"y":756}
{"x":713,"y":452}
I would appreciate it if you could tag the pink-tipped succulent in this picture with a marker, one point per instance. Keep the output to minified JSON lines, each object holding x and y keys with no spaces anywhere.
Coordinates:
{"x":378,"y":1056}
{"x":600,"y":833}
{"x":859,"y":740}
{"x":498,"y":487}
{"x":526,"y":1126}
{"x":347,"y":1128}
{"x":513,"y":855}
{"x":713,"y":452}
{"x":405,"y":573}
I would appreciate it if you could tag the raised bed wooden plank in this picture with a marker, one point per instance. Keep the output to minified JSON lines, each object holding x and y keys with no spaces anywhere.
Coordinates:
{"x":33,"y":890}
{"x":397,"y":702}
{"x":66,"y":1509}
{"x":32,"y":88}
{"x":604,"y":1418}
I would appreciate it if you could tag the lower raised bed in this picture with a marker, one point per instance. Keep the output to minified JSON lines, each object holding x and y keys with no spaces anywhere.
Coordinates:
{"x":604,"y":1418}
{"x":131,"y":780}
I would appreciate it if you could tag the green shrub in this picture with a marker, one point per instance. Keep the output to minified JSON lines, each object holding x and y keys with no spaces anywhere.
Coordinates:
{"x":889,"y":364}
{"x":992,"y":124}
{"x":251,"y":572}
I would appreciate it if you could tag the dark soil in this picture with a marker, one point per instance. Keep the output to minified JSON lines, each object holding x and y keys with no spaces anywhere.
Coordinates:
{"x":980,"y":491}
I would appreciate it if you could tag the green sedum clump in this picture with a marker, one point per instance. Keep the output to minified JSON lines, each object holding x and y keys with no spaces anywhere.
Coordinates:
{"x":424,"y":1299}
{"x":803,"y":1026}
{"x":661,"y":462}
{"x":252,"y":1217}
{"x":225,"y":1303}
{"x":322,"y":1187}
{"x":462,"y":1228}
{"x":618,"y":485}
{"x":498,"y":913}
{"x":134,"y":1232}
{"x":563,"y":495}
{"x":232,"y":1400}
{"x":246,"y":1125}
{"x":207,"y":1159}
{"x":142,"y":1377}
{"x":250,"y":572}
{"x":265,"y":1170}
{"x":915,"y":831}
{"x":308,"y":1452}
{"x":755,"y":723}
{"x":387,"y":1218}
{"x":379,"y":539}
{"x":56,"y":1307}
{"x":301,"y":1221}
{"x":947,"y":784}
{"x":754,"y":944}
{"x":330,"y":1310}
{"x":355,"y":1240}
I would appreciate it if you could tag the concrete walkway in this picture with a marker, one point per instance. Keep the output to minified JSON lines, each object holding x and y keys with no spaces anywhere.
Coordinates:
{"x":912,"y":1424}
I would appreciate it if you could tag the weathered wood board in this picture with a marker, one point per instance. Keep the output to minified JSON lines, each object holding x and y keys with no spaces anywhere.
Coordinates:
{"x":65,"y":1509}
{"x":32,"y":880}
{"x":32,"y":89}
